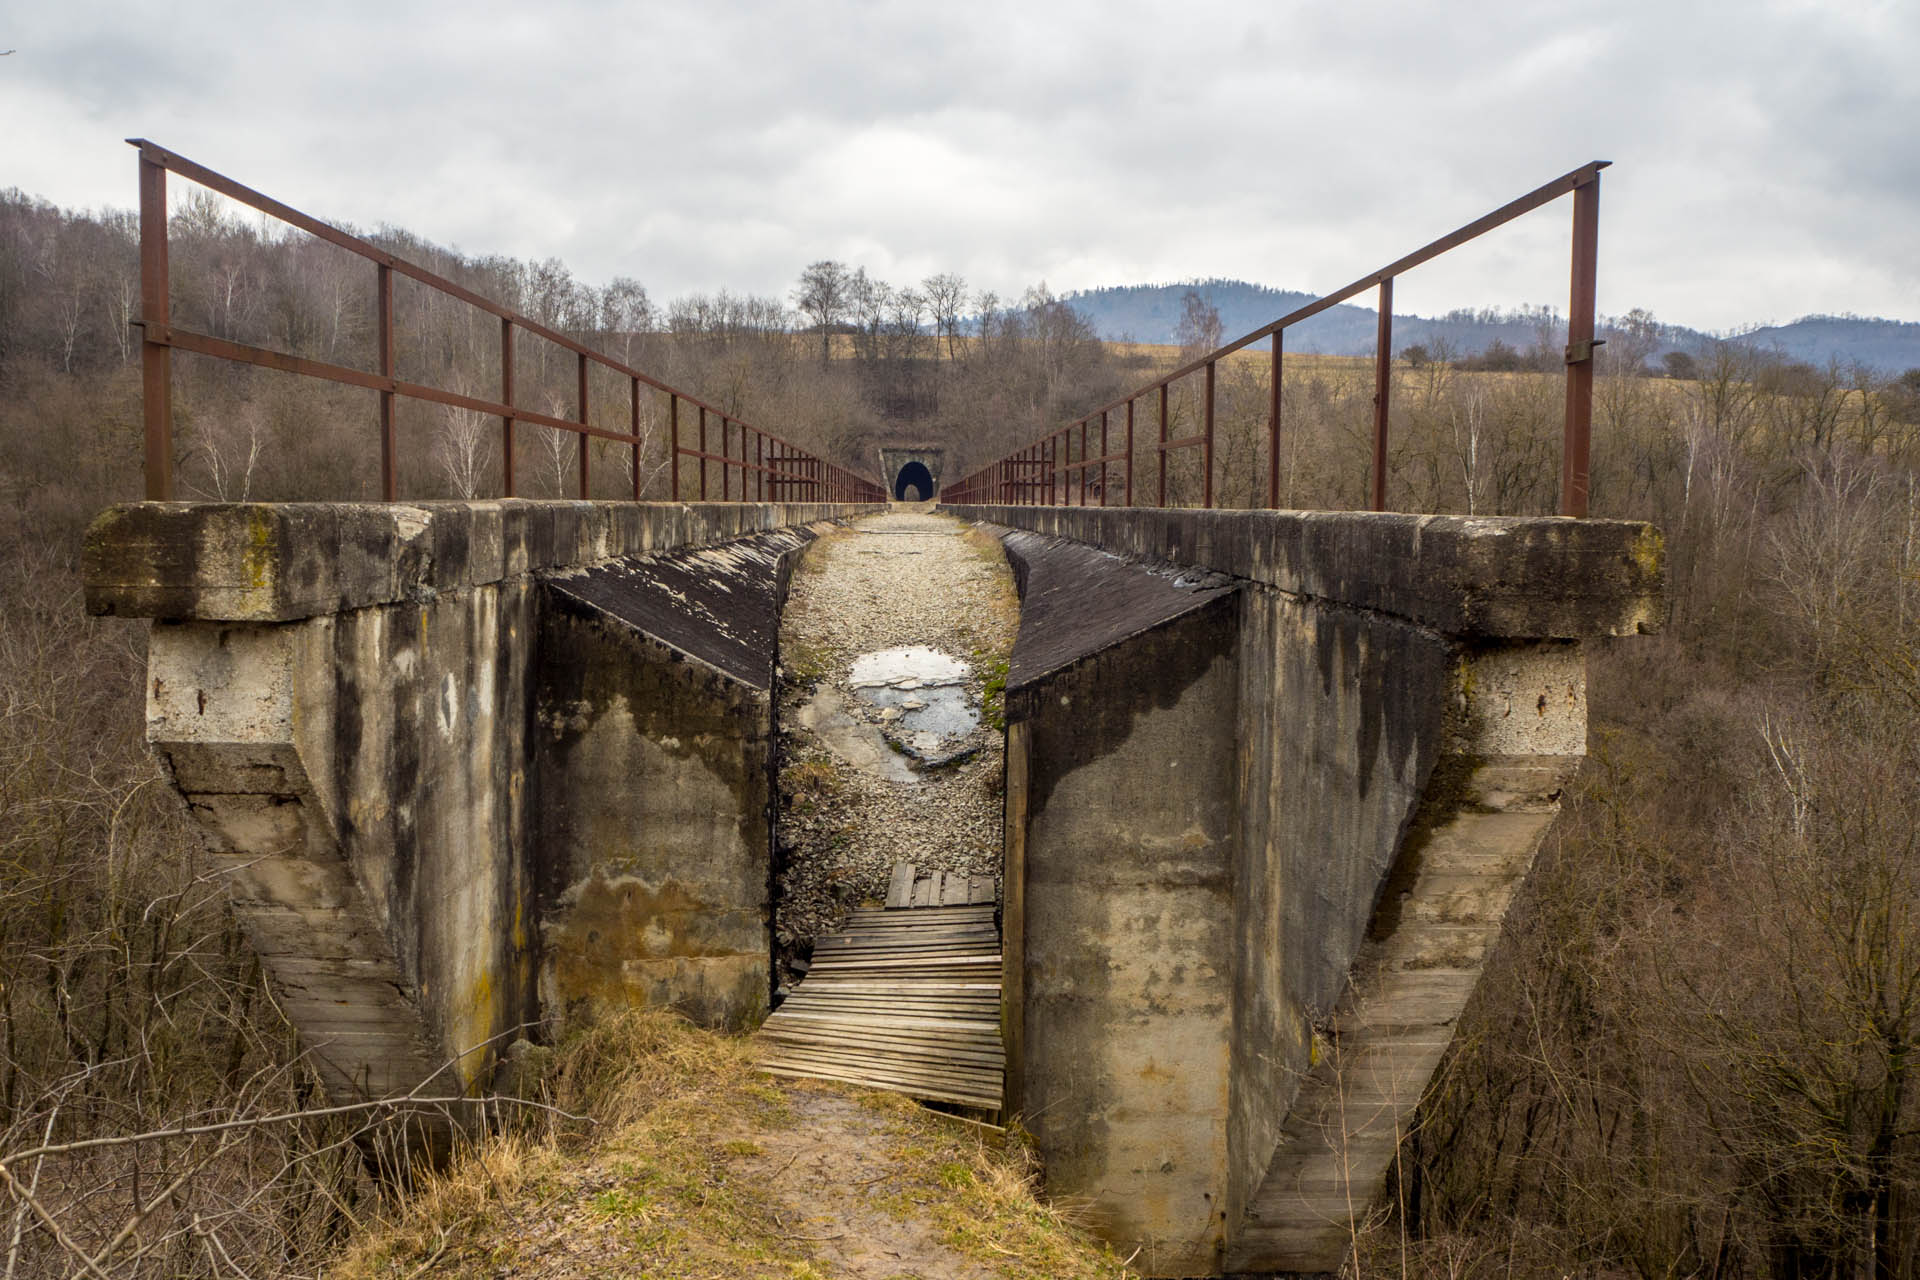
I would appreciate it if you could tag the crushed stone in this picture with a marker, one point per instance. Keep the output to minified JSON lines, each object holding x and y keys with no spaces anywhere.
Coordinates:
{"x":894,"y":581}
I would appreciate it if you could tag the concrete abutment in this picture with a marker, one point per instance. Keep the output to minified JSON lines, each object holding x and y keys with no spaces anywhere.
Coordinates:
{"x":1273,"y":779}
{"x":466,"y":763}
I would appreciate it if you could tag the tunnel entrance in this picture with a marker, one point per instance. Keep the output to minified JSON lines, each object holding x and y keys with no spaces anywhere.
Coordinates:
{"x":913,"y":484}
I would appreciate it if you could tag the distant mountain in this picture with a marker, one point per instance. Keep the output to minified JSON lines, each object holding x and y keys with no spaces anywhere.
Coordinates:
{"x":1151,"y":313}
{"x":1889,"y":345}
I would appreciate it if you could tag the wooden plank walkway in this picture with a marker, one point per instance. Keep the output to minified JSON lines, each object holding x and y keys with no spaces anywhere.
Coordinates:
{"x":902,"y":998}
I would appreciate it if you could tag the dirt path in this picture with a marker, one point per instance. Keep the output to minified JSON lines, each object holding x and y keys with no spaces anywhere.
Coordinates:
{"x":702,"y":1169}
{"x":874,"y":769}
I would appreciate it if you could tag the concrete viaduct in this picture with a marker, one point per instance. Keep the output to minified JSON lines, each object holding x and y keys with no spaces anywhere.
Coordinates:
{"x":1273,"y":778}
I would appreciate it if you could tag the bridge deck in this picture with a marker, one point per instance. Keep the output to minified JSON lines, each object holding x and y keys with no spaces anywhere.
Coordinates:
{"x":902,"y":998}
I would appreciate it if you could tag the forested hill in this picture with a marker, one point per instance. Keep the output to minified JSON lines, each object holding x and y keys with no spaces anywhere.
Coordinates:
{"x":1151,"y":313}
{"x":1892,"y":345}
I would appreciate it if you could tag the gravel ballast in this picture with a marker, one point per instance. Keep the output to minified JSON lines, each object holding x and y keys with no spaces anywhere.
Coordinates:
{"x":907,"y":578}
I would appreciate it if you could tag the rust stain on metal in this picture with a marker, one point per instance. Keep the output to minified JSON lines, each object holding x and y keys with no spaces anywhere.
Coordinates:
{"x":1046,"y":472}
{"x":798,"y":475}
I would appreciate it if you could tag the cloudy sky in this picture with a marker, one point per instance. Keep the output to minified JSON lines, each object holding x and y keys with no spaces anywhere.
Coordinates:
{"x":1766,"y":155}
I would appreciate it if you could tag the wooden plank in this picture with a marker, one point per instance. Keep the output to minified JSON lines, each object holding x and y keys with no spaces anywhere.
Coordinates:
{"x":825,"y":1020}
{"x":972,"y":1022}
{"x":915,"y":919}
{"x":907,"y":1000}
{"x":880,"y":1062}
{"x":901,"y":886}
{"x":897,"y":973}
{"x":979,"y":939}
{"x":837,"y":994}
{"x":983,"y":1014}
{"x":909,"y":937}
{"x":959,"y":957}
{"x":892,"y":1069}
{"x":864,"y":988}
{"x":894,"y":917}
{"x":931,"y":1094}
{"x":931,"y":950}
{"x":916,"y":1025}
{"x":889,"y":971}
{"x":933,"y":1057}
{"x":968,"y":1092}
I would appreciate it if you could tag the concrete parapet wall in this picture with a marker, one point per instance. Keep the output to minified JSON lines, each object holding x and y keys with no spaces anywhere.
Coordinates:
{"x":349,"y":698}
{"x":1374,"y":662}
{"x":1522,"y":576}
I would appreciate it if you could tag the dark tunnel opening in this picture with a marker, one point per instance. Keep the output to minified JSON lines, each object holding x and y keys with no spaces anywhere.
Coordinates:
{"x":913,"y":484}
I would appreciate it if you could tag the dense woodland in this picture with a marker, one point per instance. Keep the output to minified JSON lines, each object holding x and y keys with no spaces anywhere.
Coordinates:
{"x":1696,"y":1054}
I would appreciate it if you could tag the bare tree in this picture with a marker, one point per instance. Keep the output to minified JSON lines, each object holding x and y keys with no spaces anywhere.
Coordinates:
{"x":946,"y":296}
{"x":1199,"y":329}
{"x":823,"y":296}
{"x":464,"y":446}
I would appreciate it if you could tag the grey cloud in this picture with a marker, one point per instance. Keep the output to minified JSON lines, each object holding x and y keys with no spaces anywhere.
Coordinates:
{"x":1764,"y":167}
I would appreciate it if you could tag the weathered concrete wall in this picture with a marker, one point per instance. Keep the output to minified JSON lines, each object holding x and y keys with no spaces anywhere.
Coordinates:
{"x":345,"y":695}
{"x":1120,"y":684}
{"x":1391,"y":675}
{"x":655,"y":749}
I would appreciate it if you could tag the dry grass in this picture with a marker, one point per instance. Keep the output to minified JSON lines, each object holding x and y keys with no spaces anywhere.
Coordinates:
{"x":691,"y":1170}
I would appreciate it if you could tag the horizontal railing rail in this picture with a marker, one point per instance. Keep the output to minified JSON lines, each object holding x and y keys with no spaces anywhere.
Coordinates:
{"x":754,"y":465}
{"x":1051,"y":472}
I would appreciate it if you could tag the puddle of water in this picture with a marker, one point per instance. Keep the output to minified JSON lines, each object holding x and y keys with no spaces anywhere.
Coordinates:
{"x":922,"y":696}
{"x":915,"y":662}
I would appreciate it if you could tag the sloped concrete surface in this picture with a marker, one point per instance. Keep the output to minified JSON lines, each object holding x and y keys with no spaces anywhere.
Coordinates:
{"x":1407,"y":697}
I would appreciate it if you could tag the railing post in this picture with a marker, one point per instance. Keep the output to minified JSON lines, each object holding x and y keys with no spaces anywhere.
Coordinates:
{"x":1382,"y":383}
{"x":156,"y":357}
{"x":1163,"y":447}
{"x":760,"y":465}
{"x":726,"y":464}
{"x":1129,"y":479}
{"x":1206,"y":449}
{"x":1103,"y":457}
{"x":389,"y":449}
{"x":1086,"y":472}
{"x":1273,"y":427}
{"x":673,"y":447}
{"x":703,"y":453}
{"x":1574,"y":460}
{"x":506,"y":398}
{"x":584,"y":438}
{"x":633,"y":429}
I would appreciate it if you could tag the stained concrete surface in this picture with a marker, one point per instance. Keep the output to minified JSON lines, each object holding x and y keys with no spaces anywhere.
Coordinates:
{"x":343,"y":693}
{"x":1374,"y":658}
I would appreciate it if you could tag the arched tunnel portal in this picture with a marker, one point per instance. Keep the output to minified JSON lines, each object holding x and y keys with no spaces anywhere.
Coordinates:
{"x":912,"y":467}
{"x":914,"y":483}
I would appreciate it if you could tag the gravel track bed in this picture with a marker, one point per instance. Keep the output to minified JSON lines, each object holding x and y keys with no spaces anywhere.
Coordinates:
{"x":888,"y":581}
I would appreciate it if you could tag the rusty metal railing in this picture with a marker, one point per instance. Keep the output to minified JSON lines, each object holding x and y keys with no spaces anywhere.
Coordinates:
{"x":754,"y":465}
{"x":1052,"y":472}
